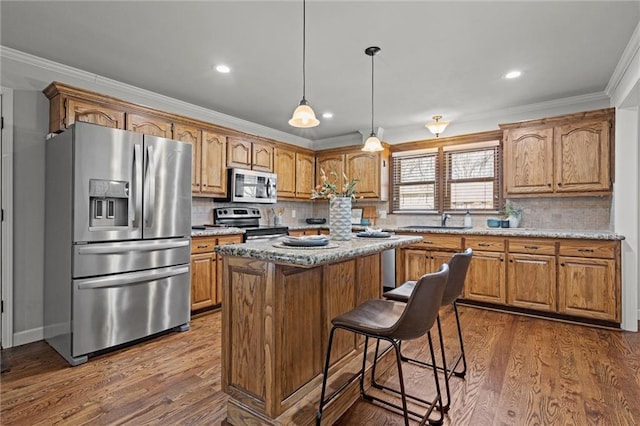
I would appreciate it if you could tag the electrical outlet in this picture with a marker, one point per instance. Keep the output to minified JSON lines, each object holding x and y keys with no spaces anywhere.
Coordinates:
{"x":382,"y":214}
{"x":293,"y":214}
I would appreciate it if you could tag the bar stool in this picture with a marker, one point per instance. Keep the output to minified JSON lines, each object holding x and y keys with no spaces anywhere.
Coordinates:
{"x":458,"y":267}
{"x":394,"y":322}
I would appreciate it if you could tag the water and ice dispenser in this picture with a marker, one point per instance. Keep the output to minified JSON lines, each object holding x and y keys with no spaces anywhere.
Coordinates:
{"x":108,"y":203}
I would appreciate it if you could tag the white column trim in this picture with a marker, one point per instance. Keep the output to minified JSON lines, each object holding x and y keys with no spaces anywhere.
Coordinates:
{"x":7,"y":224}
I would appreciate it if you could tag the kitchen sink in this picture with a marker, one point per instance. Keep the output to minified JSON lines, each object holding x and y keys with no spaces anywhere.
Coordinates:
{"x":434,"y":227}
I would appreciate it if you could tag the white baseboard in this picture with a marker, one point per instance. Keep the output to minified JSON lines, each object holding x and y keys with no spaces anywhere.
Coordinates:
{"x":28,"y":336}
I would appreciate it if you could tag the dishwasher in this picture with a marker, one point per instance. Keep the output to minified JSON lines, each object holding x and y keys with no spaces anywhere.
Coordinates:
{"x":388,"y":269}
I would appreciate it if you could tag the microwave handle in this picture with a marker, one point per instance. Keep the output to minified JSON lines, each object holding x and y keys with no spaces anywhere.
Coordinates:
{"x":268,"y":184}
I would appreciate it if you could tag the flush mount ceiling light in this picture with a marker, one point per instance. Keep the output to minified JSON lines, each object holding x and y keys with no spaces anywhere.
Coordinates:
{"x":372,"y":143}
{"x":513,"y":74}
{"x":303,"y":115}
{"x":327,"y":115}
{"x":223,"y":69}
{"x":436,"y":126}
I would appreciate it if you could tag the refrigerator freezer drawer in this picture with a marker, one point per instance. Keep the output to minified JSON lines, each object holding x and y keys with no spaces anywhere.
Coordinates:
{"x":113,"y":258}
{"x":116,"y":309}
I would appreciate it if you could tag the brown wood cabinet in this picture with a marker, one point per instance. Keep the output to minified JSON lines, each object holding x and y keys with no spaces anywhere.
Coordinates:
{"x":426,"y":256}
{"x":485,"y":280}
{"x":150,"y":125}
{"x":212,"y":165}
{"x":295,"y":172}
{"x":370,"y":168}
{"x":559,"y":156}
{"x":249,"y":154}
{"x":301,"y":232}
{"x":89,"y":112}
{"x":588,"y":279}
{"x":531,"y":274}
{"x":206,"y":285}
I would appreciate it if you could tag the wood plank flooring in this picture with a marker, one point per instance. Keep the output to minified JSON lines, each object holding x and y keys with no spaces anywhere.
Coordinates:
{"x":522,"y":371}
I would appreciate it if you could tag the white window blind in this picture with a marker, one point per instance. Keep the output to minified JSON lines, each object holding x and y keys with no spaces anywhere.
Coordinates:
{"x":456,"y":177}
{"x":415,"y":181}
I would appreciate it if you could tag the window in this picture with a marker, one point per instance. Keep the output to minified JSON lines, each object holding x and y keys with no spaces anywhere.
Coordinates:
{"x":415,"y":181}
{"x":448,"y":178}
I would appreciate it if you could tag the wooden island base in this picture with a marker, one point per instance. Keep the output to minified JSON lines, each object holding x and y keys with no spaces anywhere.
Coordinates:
{"x":276,"y":322}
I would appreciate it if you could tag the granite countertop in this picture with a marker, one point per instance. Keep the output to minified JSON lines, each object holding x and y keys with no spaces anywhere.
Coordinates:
{"x":500,"y":232}
{"x":313,"y":256}
{"x":215,"y":231}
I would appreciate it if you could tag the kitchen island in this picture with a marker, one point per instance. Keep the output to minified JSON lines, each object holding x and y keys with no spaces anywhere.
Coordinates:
{"x":277,"y":307}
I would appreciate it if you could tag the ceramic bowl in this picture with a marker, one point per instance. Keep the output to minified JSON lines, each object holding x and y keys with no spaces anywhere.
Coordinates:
{"x":493,"y":223}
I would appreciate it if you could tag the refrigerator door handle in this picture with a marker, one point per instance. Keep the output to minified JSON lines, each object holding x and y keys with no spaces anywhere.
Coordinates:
{"x":138,"y":247}
{"x":135,"y":204}
{"x":131,"y":278}
{"x":150,"y":188}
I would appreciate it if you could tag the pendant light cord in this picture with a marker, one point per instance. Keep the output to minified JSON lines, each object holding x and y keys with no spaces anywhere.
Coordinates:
{"x":372,"y":93}
{"x":304,"y":50}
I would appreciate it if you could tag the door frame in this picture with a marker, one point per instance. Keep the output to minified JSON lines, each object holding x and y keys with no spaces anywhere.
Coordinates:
{"x":6,"y":181}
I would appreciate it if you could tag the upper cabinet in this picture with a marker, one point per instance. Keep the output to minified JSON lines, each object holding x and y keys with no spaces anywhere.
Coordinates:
{"x":249,"y":154}
{"x":150,"y":125}
{"x":370,"y":168}
{"x":559,"y":156}
{"x":295,"y":172}
{"x":213,"y":160}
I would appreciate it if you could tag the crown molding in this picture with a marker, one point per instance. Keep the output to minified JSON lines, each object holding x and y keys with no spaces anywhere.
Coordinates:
{"x":625,"y":61}
{"x":153,"y":98}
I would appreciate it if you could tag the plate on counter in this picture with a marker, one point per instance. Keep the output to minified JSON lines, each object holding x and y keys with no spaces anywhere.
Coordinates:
{"x":305,"y":241}
{"x":378,"y":234}
{"x":307,"y":247}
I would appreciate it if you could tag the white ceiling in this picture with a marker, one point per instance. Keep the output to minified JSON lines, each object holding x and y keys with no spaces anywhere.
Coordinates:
{"x":444,"y":58}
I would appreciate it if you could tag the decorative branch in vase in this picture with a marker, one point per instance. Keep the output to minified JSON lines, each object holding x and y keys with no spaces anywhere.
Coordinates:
{"x":339,"y":197}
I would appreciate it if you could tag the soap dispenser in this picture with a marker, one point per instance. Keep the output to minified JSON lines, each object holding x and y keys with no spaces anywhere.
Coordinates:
{"x":467,"y":220}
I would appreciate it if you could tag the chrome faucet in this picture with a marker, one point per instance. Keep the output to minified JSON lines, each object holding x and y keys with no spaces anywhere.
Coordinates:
{"x":443,"y":219}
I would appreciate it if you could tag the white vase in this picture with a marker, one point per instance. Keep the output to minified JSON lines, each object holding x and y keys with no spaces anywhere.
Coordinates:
{"x":514,"y":221}
{"x":340,"y":218}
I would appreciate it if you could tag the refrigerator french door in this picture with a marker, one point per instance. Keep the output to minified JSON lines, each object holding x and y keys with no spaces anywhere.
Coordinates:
{"x":117,"y":243}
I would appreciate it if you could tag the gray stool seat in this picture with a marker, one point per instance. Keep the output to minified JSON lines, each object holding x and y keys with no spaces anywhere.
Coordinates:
{"x":393,"y":322}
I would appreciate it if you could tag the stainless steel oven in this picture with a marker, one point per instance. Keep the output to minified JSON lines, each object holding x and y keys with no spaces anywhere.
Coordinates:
{"x":248,"y":218}
{"x":250,"y":186}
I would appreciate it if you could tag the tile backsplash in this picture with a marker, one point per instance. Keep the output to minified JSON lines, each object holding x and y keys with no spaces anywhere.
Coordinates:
{"x":570,"y":213}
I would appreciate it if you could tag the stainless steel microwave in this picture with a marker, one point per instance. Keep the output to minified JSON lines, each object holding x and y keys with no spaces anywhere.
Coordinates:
{"x":250,"y":186}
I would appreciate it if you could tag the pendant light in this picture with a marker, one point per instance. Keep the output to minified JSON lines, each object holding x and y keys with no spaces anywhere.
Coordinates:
{"x":436,"y":127}
{"x":372,"y":143}
{"x":303,"y":115}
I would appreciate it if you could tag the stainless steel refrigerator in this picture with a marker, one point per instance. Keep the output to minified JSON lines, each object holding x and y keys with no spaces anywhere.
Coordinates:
{"x":117,"y":238}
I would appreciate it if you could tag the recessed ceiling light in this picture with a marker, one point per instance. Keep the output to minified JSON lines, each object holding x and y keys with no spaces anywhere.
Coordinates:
{"x":513,"y":74}
{"x":223,"y":69}
{"x":327,"y":115}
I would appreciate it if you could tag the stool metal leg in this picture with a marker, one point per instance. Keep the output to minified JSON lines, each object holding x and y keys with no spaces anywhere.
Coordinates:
{"x":324,"y":377}
{"x":461,"y":356}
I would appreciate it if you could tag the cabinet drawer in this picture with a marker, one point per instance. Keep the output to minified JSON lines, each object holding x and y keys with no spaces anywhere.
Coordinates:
{"x":434,"y":241}
{"x":532,"y":246}
{"x":590,"y":248}
{"x":230,"y":239}
{"x":484,"y":243}
{"x":203,"y":245}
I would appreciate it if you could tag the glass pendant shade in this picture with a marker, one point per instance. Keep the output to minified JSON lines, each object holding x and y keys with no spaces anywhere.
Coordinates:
{"x":303,"y":116}
{"x":372,"y":144}
{"x":436,"y":127}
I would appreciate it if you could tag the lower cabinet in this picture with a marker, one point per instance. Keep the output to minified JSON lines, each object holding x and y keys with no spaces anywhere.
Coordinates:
{"x":578,"y":278}
{"x":589,"y":279}
{"x":531,"y":274}
{"x":206,"y":266}
{"x":486,"y":276}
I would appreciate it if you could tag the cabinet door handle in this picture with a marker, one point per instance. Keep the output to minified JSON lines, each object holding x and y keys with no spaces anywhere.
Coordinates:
{"x":428,"y":242}
{"x":549,"y":185}
{"x":484,"y":244}
{"x":559,"y":183}
{"x":562,"y":264}
{"x":501,"y":260}
{"x":532,"y":247}
{"x":510,"y":260}
{"x":583,"y":250}
{"x":203,"y":245}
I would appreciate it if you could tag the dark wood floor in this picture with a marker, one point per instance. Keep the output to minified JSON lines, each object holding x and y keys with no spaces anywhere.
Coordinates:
{"x":521,"y":371}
